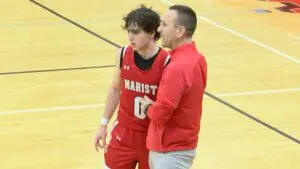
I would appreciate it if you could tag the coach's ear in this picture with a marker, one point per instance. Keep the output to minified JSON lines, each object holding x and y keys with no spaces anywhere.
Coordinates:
{"x":181,"y":31}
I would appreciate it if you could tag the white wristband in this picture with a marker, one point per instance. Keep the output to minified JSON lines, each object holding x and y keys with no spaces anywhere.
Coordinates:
{"x":104,"y":121}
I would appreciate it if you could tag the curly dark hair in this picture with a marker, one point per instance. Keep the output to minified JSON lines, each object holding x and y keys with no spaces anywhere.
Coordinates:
{"x":145,"y":19}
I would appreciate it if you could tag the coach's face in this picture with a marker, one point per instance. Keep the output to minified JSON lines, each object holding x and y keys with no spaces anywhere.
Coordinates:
{"x":168,"y":29}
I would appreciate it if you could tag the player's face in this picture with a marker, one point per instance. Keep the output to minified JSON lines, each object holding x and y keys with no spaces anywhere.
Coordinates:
{"x":138,"y":38}
{"x":168,"y":28}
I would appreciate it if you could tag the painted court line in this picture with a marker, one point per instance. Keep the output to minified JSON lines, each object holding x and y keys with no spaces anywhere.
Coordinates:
{"x":240,"y":35}
{"x":259,"y":92}
{"x":93,"y":106}
{"x":51,"y":109}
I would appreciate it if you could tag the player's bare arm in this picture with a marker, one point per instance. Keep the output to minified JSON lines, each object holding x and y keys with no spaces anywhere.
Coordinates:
{"x":112,"y":101}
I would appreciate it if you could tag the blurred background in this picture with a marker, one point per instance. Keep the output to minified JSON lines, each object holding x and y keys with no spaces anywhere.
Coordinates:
{"x":57,"y":59}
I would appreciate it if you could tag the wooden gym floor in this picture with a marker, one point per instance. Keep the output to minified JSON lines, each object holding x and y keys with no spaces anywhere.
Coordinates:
{"x":54,"y":77}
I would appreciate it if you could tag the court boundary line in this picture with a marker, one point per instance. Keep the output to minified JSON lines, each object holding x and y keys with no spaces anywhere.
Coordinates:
{"x":232,"y":94}
{"x":207,"y":93}
{"x":243,"y":36}
{"x":228,"y":94}
{"x":88,"y":106}
{"x":258,"y":92}
{"x":54,"y":70}
{"x":65,"y":69}
{"x":51,"y":109}
{"x":170,"y":3}
{"x":76,"y":24}
{"x":254,"y":118}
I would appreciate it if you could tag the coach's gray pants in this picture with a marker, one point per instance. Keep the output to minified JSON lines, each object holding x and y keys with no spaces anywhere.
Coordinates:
{"x":172,"y":160}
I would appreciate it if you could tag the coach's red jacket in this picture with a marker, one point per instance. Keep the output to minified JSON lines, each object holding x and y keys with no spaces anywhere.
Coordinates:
{"x":176,"y":113}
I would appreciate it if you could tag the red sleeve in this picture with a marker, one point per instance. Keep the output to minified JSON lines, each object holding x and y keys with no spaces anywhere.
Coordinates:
{"x":170,"y":91}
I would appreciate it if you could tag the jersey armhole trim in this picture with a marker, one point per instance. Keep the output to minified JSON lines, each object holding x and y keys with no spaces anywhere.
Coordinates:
{"x":123,"y":51}
{"x":167,"y":61}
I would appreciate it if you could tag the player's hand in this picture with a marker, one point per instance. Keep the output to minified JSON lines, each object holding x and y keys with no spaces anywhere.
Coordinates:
{"x":146,"y":103}
{"x":100,"y":139}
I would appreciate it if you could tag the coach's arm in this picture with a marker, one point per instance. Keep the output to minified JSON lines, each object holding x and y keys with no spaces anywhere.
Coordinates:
{"x":171,"y":89}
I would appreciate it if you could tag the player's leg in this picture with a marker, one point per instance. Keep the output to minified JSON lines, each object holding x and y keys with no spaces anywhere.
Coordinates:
{"x":143,"y":152}
{"x":119,"y":153}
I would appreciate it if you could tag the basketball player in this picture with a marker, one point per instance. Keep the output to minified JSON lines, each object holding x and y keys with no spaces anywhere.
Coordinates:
{"x":138,"y":73}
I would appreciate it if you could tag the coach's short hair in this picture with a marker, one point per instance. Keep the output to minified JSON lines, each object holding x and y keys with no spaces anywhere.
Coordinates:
{"x":186,"y":17}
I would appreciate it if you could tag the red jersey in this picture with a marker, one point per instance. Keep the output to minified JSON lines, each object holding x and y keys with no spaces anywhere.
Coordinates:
{"x":137,"y":82}
{"x":176,"y":114}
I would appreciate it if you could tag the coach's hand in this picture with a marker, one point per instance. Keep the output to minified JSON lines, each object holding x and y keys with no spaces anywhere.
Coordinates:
{"x":146,"y":103}
{"x":100,"y":139}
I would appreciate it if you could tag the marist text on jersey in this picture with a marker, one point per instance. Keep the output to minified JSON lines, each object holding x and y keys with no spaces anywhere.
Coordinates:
{"x":140,"y":87}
